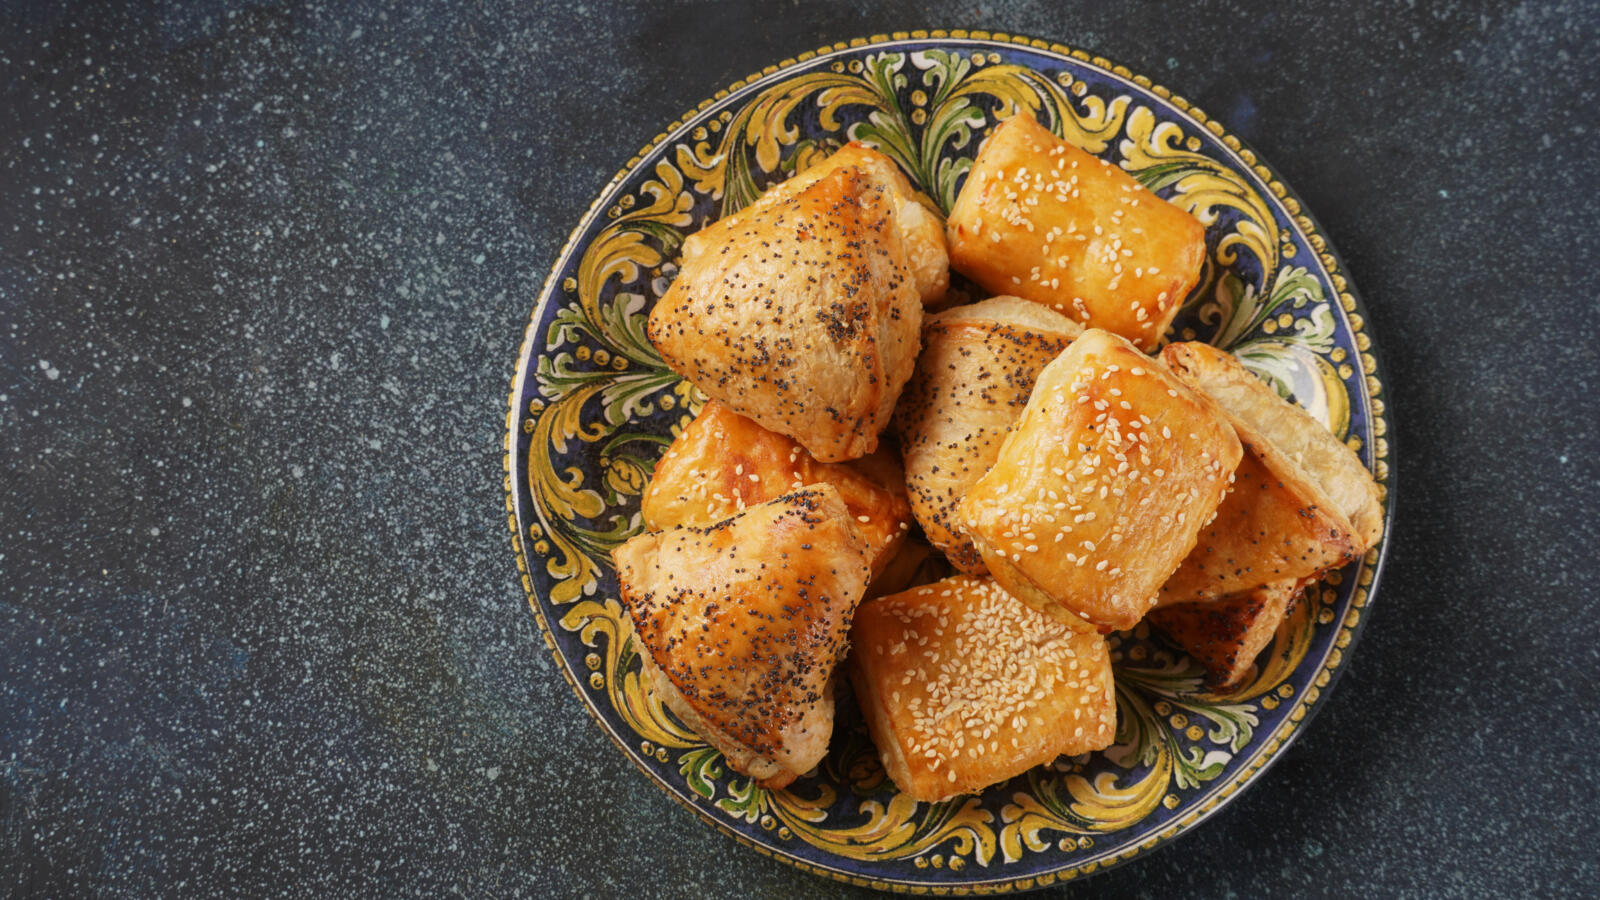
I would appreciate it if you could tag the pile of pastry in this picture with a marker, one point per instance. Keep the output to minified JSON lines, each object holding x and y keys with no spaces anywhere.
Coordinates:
{"x":1074,"y":482}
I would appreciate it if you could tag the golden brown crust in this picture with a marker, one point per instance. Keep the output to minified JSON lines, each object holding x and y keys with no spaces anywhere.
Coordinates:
{"x":768,"y":772}
{"x":799,"y":314}
{"x":1041,"y":219}
{"x":1225,"y":636}
{"x":747,"y":619}
{"x":977,"y":368}
{"x":724,"y":462}
{"x":1103,"y":485}
{"x":1272,"y":526}
{"x":921,"y":232}
{"x":1295,"y":446}
{"x":963,"y":686}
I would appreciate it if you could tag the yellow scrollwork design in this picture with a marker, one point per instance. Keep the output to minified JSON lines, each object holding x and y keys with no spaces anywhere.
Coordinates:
{"x":1090,"y":805}
{"x":1091,"y":123}
{"x":1201,"y":186}
{"x":764,"y":124}
{"x":896,"y":829}
{"x":561,"y":493}
{"x":622,"y":248}
{"x":1112,"y":807}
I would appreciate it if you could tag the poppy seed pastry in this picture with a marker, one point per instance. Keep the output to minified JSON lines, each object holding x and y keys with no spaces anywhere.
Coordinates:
{"x":1225,"y":636}
{"x":921,"y":232}
{"x":964,"y":686}
{"x":799,"y":313}
{"x":972,"y":380}
{"x":723,"y":463}
{"x":742,"y":623}
{"x":1103,"y":485}
{"x":1043,"y":220}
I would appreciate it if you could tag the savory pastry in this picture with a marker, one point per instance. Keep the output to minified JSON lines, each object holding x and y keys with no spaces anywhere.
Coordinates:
{"x":972,"y":380}
{"x":800,"y":314}
{"x":964,"y":686}
{"x":921,"y":232}
{"x":914,"y":564}
{"x":1225,"y":636}
{"x":1302,"y":502}
{"x":723,"y":463}
{"x":1103,"y":485}
{"x":1041,"y":219}
{"x":741,"y":625}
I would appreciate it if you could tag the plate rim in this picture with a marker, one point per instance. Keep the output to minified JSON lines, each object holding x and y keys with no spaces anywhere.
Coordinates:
{"x":1326,"y":257}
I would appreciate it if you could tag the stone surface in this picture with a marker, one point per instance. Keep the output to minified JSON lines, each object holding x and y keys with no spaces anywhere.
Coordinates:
{"x":263,"y":275}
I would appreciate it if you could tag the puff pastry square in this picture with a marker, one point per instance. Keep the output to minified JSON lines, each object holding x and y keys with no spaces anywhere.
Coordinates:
{"x":1225,"y":636}
{"x":1297,"y":447}
{"x":974,"y":376}
{"x":1297,"y":496}
{"x":800,"y":314}
{"x":963,"y":686}
{"x":1103,"y":485}
{"x":1042,"y":219}
{"x":724,"y":462}
{"x":742,"y":624}
{"x":921,"y":232}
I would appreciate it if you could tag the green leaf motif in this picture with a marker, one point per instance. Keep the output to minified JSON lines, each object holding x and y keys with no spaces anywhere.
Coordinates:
{"x":700,"y":769}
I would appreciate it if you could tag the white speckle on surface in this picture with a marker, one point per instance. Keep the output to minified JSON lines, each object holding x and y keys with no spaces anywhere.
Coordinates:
{"x":383,"y":322}
{"x":492,"y":772}
{"x":187,"y":403}
{"x":154,"y":531}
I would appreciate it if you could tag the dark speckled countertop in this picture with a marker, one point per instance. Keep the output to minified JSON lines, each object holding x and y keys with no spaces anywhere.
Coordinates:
{"x":263,"y":276}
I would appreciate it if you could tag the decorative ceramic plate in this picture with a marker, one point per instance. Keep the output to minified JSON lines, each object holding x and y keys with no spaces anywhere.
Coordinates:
{"x":593,"y":407}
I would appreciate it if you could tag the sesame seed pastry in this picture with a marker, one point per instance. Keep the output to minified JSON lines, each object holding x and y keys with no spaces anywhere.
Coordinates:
{"x":964,"y":686}
{"x":1041,"y":219}
{"x":741,"y":625}
{"x":800,"y":314}
{"x":1103,"y":485}
{"x":974,"y":376}
{"x":723,"y":463}
{"x":1225,"y":636}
